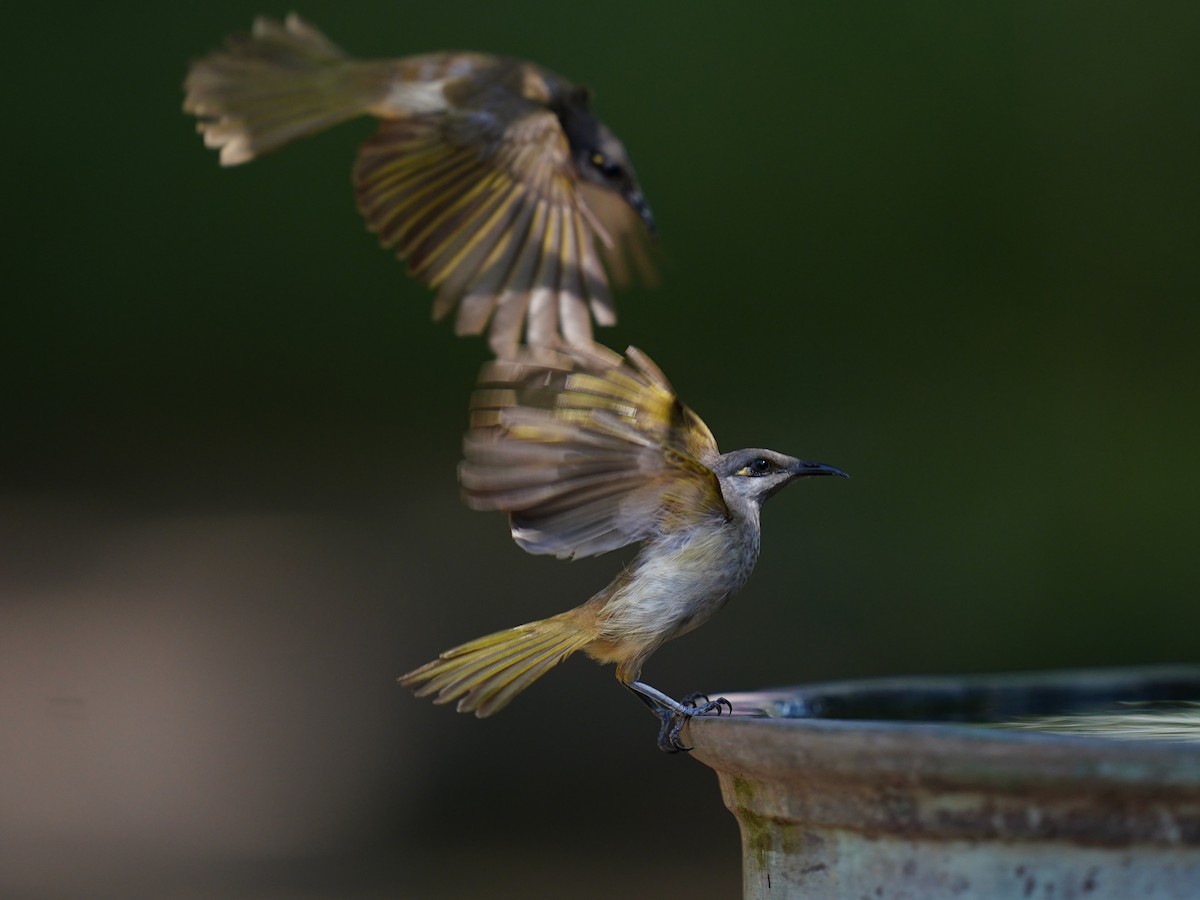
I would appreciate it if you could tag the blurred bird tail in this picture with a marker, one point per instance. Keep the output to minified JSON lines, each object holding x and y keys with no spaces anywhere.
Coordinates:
{"x":283,"y":81}
{"x":485,"y":674}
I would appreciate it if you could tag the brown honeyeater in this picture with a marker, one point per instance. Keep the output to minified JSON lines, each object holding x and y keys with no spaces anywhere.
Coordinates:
{"x":588,"y":452}
{"x":491,"y":176}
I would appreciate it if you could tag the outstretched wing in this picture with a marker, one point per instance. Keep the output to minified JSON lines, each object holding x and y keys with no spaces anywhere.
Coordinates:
{"x":586,"y":451}
{"x":486,"y":207}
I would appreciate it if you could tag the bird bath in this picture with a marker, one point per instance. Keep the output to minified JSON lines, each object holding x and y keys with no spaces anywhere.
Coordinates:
{"x":898,"y":788}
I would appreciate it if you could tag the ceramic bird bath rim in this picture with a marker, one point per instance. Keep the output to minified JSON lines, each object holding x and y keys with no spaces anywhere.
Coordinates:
{"x":903,"y":791}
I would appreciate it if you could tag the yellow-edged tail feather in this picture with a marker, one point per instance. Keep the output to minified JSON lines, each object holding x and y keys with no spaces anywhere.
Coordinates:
{"x":485,"y":674}
{"x":283,"y":82}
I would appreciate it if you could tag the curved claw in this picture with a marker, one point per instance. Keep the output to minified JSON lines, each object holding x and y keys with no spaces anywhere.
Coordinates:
{"x":668,"y":739}
{"x":672,"y":723}
{"x":703,"y":705}
{"x":676,"y":745}
{"x":670,"y":743}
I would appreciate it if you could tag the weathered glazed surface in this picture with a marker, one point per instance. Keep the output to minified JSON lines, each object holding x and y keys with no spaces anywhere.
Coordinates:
{"x":885,"y":808}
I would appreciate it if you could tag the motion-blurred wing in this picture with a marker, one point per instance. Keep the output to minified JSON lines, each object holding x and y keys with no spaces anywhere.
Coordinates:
{"x":586,"y":451}
{"x":624,"y":241}
{"x":486,"y":208}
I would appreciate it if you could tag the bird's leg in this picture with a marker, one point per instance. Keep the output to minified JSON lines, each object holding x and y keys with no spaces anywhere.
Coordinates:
{"x":673,"y":714}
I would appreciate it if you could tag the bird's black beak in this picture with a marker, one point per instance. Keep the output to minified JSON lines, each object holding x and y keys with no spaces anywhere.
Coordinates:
{"x":636,"y":199}
{"x":803,"y":469}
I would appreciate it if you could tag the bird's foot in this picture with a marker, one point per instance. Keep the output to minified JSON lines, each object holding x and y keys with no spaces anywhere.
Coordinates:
{"x":702,"y":705}
{"x":674,"y":714}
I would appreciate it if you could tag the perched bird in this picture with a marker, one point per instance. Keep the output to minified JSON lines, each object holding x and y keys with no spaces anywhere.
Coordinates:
{"x":490,"y":175}
{"x":588,"y":452}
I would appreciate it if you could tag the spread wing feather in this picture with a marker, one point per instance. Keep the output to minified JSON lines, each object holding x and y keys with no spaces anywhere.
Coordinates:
{"x":491,"y":213}
{"x":586,"y":451}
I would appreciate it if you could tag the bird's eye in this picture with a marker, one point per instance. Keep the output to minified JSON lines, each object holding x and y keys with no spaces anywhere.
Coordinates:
{"x":757,"y":467}
{"x":606,"y":167}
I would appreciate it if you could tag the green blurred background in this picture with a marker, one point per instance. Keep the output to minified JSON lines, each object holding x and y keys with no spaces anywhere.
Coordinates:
{"x":951,"y":248}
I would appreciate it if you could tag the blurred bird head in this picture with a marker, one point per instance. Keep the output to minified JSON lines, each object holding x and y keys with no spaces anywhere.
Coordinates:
{"x":749,"y":477}
{"x":599,"y":157}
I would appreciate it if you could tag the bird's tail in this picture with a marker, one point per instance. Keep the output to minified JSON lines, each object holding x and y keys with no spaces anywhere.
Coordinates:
{"x":485,"y":674}
{"x":283,"y":81}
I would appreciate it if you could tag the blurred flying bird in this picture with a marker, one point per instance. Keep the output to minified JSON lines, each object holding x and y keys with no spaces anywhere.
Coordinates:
{"x":588,"y":452}
{"x":490,"y":175}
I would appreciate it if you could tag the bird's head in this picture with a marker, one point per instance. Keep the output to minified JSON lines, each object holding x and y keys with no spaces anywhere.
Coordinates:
{"x":749,"y":477}
{"x":598,"y":154}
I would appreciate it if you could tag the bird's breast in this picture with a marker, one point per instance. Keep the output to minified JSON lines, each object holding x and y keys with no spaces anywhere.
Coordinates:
{"x":680,"y":580}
